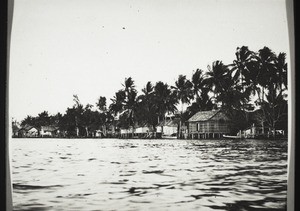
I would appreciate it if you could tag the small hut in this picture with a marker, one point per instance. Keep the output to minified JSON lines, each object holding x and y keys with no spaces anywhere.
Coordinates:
{"x":48,"y":131}
{"x":28,"y":131}
{"x":208,"y":125}
{"x":168,"y":127}
{"x":15,"y":130}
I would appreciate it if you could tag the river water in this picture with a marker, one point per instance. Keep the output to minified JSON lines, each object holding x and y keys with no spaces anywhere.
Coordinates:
{"x":118,"y":174}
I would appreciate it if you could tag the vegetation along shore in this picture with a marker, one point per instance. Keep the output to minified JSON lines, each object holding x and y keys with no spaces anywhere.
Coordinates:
{"x":247,"y":98}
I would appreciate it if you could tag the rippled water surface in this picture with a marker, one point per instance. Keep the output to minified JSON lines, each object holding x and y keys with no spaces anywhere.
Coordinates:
{"x":116,"y":174}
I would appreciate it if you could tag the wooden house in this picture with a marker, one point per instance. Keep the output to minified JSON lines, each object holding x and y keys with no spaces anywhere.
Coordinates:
{"x":126,"y":132}
{"x":15,"y":130}
{"x":139,"y":131}
{"x":168,"y":127}
{"x":208,"y":125}
{"x":48,"y":131}
{"x":109,"y":130}
{"x":28,"y":131}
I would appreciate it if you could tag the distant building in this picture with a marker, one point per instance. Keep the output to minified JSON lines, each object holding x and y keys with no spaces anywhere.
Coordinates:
{"x":257,"y":131}
{"x":98,"y":133}
{"x":143,"y":129}
{"x":208,"y":124}
{"x":126,"y":132}
{"x":28,"y":131}
{"x":48,"y":131}
{"x":139,"y":131}
{"x":15,"y":130}
{"x":108,"y":130}
{"x":168,"y":127}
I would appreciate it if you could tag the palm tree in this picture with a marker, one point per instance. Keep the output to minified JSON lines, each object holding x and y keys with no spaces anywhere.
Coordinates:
{"x":125,"y":102}
{"x":252,"y":78}
{"x":268,"y":78}
{"x":101,"y":104}
{"x":146,"y":106}
{"x":117,"y":102}
{"x":200,"y":91}
{"x":165,"y":100}
{"x":87,"y":118}
{"x":199,"y":83}
{"x":29,"y":120}
{"x":281,"y":71}
{"x":184,"y":90}
{"x":274,"y":105}
{"x":78,"y":108}
{"x":43,"y":119}
{"x":216,"y":78}
{"x":266,"y":60}
{"x":240,"y":64}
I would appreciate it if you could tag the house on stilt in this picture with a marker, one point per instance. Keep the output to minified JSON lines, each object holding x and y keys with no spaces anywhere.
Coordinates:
{"x":208,"y":125}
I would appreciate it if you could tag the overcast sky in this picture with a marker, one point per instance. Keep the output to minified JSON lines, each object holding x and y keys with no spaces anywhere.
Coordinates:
{"x":88,"y":47}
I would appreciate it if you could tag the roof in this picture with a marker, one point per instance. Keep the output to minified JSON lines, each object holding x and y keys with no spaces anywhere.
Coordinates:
{"x":49,"y":128}
{"x":203,"y":115}
{"x":15,"y":128}
{"x":170,"y":122}
{"x":27,"y":127}
{"x":143,"y":125}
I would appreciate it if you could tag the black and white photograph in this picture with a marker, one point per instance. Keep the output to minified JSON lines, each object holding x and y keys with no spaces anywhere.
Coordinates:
{"x":149,"y":105}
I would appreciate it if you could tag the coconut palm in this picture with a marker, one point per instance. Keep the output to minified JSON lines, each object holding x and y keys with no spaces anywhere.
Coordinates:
{"x":29,"y":120}
{"x":266,"y":60}
{"x":146,"y":111}
{"x":125,"y":101}
{"x":200,"y":90}
{"x":184,"y":90}
{"x":273,"y":80}
{"x":239,"y":66}
{"x":165,"y":100}
{"x":199,"y":83}
{"x":216,"y":78}
{"x":101,"y":104}
{"x":281,"y":71}
{"x":78,"y":108}
{"x":252,"y":78}
{"x":87,"y":118}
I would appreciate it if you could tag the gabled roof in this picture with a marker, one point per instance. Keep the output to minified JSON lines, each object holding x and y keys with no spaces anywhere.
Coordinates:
{"x":27,"y":128}
{"x":203,"y":115}
{"x":15,"y":128}
{"x":49,"y":128}
{"x":169,"y":122}
{"x":142,"y":125}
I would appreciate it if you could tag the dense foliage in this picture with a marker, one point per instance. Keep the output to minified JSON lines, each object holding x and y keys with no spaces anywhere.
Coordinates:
{"x":257,"y":78}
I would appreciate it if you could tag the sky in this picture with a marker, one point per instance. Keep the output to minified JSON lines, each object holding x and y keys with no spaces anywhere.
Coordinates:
{"x":88,"y":47}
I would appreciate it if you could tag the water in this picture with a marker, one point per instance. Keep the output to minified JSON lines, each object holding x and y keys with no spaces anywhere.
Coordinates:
{"x":115,"y":174}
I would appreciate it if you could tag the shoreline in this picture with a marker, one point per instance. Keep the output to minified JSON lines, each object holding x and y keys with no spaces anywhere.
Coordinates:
{"x":266,"y":138}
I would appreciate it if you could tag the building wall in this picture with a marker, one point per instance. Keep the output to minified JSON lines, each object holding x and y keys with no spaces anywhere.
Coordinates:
{"x":126,"y":131}
{"x":46,"y":133}
{"x":32,"y":132}
{"x":169,"y":130}
{"x":210,"y":126}
{"x":142,"y":130}
{"x":159,"y":129}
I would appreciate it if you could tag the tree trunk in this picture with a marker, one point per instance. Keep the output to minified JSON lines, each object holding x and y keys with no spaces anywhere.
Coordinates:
{"x":76,"y":127}
{"x":87,"y":131}
{"x":77,"y":131}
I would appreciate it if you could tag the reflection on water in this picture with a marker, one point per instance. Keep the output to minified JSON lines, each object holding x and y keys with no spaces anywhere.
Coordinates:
{"x":115,"y":174}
